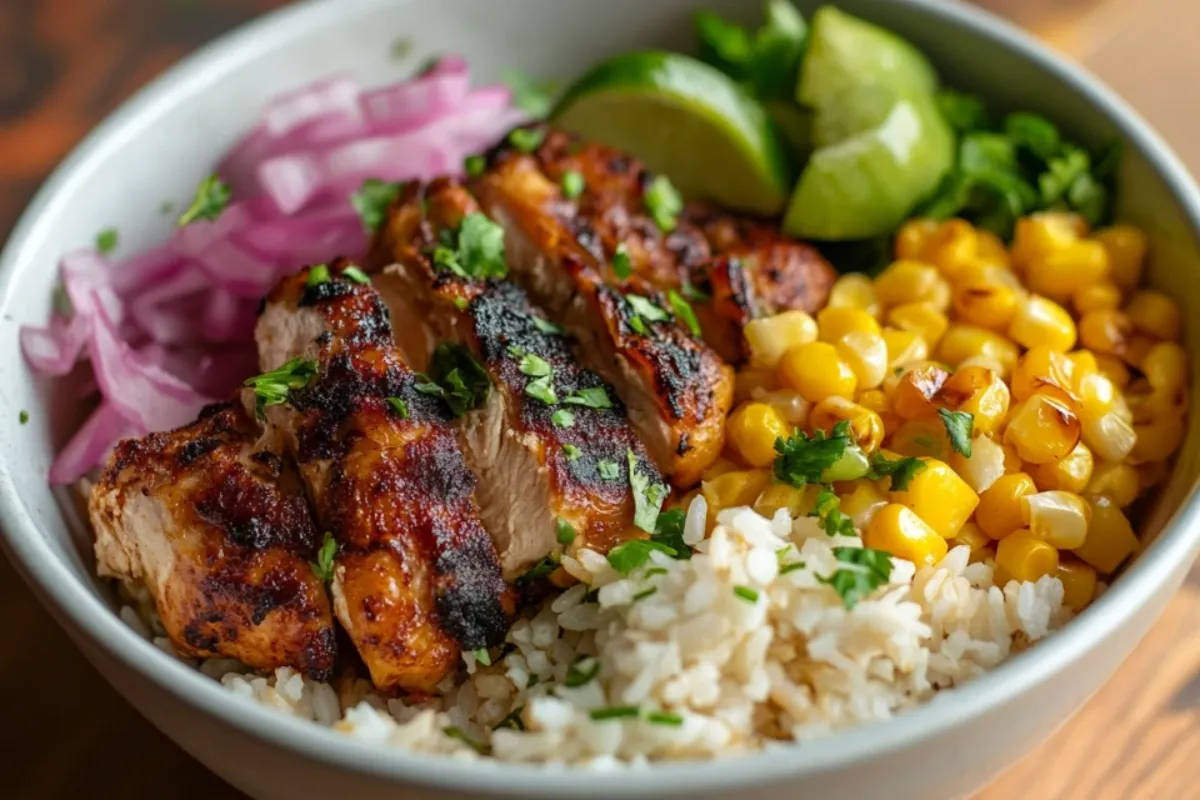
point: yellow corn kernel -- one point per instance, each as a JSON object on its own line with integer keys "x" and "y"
{"x": 1098, "y": 296}
{"x": 1071, "y": 474}
{"x": 1105, "y": 332}
{"x": 1136, "y": 349}
{"x": 970, "y": 535}
{"x": 788, "y": 404}
{"x": 854, "y": 290}
{"x": 734, "y": 489}
{"x": 979, "y": 392}
{"x": 1126, "y": 246}
{"x": 906, "y": 282}
{"x": 1041, "y": 321}
{"x": 984, "y": 467}
{"x": 865, "y": 424}
{"x": 1110, "y": 437}
{"x": 1060, "y": 518}
{"x": 1166, "y": 367}
{"x": 1079, "y": 583}
{"x": 1110, "y": 537}
{"x": 1084, "y": 362}
{"x": 720, "y": 467}
{"x": 1096, "y": 394}
{"x": 1117, "y": 482}
{"x": 1022, "y": 556}
{"x": 921, "y": 438}
{"x": 1001, "y": 507}
{"x": 904, "y": 347}
{"x": 834, "y": 323}
{"x": 940, "y": 297}
{"x": 867, "y": 356}
{"x": 798, "y": 501}
{"x": 912, "y": 396}
{"x": 1157, "y": 440}
{"x": 1148, "y": 405}
{"x": 920, "y": 318}
{"x": 816, "y": 371}
{"x": 985, "y": 303}
{"x": 991, "y": 250}
{"x": 1012, "y": 461}
{"x": 1155, "y": 315}
{"x": 1043, "y": 233}
{"x": 1044, "y": 428}
{"x": 1062, "y": 272}
{"x": 953, "y": 246}
{"x": 770, "y": 337}
{"x": 961, "y": 342}
{"x": 752, "y": 430}
{"x": 940, "y": 497}
{"x": 1041, "y": 367}
{"x": 1114, "y": 369}
{"x": 863, "y": 502}
{"x": 913, "y": 236}
{"x": 750, "y": 381}
{"x": 876, "y": 400}
{"x": 897, "y": 530}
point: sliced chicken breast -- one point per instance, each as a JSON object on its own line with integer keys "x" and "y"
{"x": 416, "y": 578}
{"x": 218, "y": 530}
{"x": 550, "y": 441}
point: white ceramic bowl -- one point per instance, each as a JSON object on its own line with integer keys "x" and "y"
{"x": 163, "y": 141}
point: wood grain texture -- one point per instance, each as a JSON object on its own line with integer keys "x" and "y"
{"x": 65, "y": 63}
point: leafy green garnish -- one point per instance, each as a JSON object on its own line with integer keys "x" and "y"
{"x": 639, "y": 325}
{"x": 609, "y": 470}
{"x": 399, "y": 406}
{"x": 747, "y": 593}
{"x": 901, "y": 471}
{"x": 475, "y": 250}
{"x": 861, "y": 571}
{"x": 644, "y": 593}
{"x": 564, "y": 532}
{"x": 695, "y": 294}
{"x": 534, "y": 366}
{"x": 965, "y": 113}
{"x": 615, "y": 712}
{"x": 271, "y": 388}
{"x": 455, "y": 732}
{"x": 684, "y": 311}
{"x": 573, "y": 184}
{"x": 482, "y": 656}
{"x": 621, "y": 264}
{"x": 646, "y": 308}
{"x": 664, "y": 718}
{"x": 542, "y": 389}
{"x": 323, "y": 566}
{"x": 628, "y": 556}
{"x": 539, "y": 570}
{"x": 582, "y": 672}
{"x": 832, "y": 519}
{"x": 545, "y": 325}
{"x": 791, "y": 566}
{"x": 766, "y": 62}
{"x": 563, "y": 418}
{"x": 572, "y": 452}
{"x": 647, "y": 497}
{"x": 23, "y": 417}
{"x": 356, "y": 274}
{"x": 527, "y": 139}
{"x": 456, "y": 377}
{"x": 317, "y": 275}
{"x": 212, "y": 198}
{"x": 513, "y": 721}
{"x": 593, "y": 397}
{"x": 959, "y": 426}
{"x": 668, "y": 530}
{"x": 802, "y": 458}
{"x": 474, "y": 166}
{"x": 535, "y": 98}
{"x": 372, "y": 199}
{"x": 663, "y": 203}
{"x": 106, "y": 241}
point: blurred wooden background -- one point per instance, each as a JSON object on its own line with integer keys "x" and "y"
{"x": 64, "y": 64}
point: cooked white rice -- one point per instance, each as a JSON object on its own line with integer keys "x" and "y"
{"x": 695, "y": 658}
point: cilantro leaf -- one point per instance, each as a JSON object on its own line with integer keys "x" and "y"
{"x": 861, "y": 571}
{"x": 212, "y": 198}
{"x": 573, "y": 184}
{"x": 535, "y": 98}
{"x": 767, "y": 61}
{"x": 684, "y": 311}
{"x": 355, "y": 274}
{"x": 668, "y": 530}
{"x": 572, "y": 452}
{"x": 959, "y": 425}
{"x": 621, "y": 264}
{"x": 833, "y": 521}
{"x": 609, "y": 470}
{"x": 474, "y": 166}
{"x": 455, "y": 732}
{"x": 966, "y": 113}
{"x": 481, "y": 247}
{"x": 106, "y": 241}
{"x": 628, "y": 556}
{"x": 317, "y": 275}
{"x": 901, "y": 471}
{"x": 372, "y": 199}
{"x": 527, "y": 139}
{"x": 272, "y": 388}
{"x": 582, "y": 672}
{"x": 750, "y": 595}
{"x": 323, "y": 566}
{"x": 456, "y": 377}
{"x": 803, "y": 458}
{"x": 513, "y": 721}
{"x": 646, "y": 308}
{"x": 647, "y": 497}
{"x": 399, "y": 406}
{"x": 545, "y": 325}
{"x": 542, "y": 389}
{"x": 663, "y": 203}
{"x": 565, "y": 532}
{"x": 563, "y": 418}
{"x": 539, "y": 570}
{"x": 593, "y": 397}
{"x": 1033, "y": 132}
{"x": 534, "y": 366}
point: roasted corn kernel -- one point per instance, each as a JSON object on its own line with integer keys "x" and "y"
{"x": 907, "y": 282}
{"x": 867, "y": 356}
{"x": 788, "y": 404}
{"x": 920, "y": 318}
{"x": 989, "y": 304}
{"x": 912, "y": 396}
{"x": 1110, "y": 537}
{"x": 834, "y": 323}
{"x": 1043, "y": 233}
{"x": 863, "y": 502}
{"x": 770, "y": 337}
{"x": 1078, "y": 581}
{"x": 854, "y": 290}
{"x": 1114, "y": 369}
{"x": 912, "y": 238}
{"x": 920, "y": 438}
{"x": 971, "y": 536}
{"x": 1001, "y": 507}
{"x": 940, "y": 497}
{"x": 1060, "y": 273}
{"x": 1098, "y": 296}
{"x": 1024, "y": 556}
{"x": 979, "y": 392}
{"x": 1041, "y": 321}
{"x": 1060, "y": 518}
{"x": 961, "y": 342}
{"x": 816, "y": 371}
{"x": 904, "y": 347}
{"x": 1105, "y": 332}
{"x": 897, "y": 530}
{"x": 1126, "y": 246}
{"x": 750, "y": 381}
{"x": 799, "y": 501}
{"x": 752, "y": 431}
{"x": 1155, "y": 315}
{"x": 1157, "y": 440}
{"x": 1043, "y": 428}
{"x": 991, "y": 250}
{"x": 1117, "y": 482}
{"x": 1110, "y": 437}
{"x": 1070, "y": 474}
{"x": 1166, "y": 367}
{"x": 733, "y": 489}
{"x": 865, "y": 425}
{"x": 952, "y": 246}
{"x": 1040, "y": 367}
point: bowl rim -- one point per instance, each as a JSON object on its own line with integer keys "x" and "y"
{"x": 82, "y": 612}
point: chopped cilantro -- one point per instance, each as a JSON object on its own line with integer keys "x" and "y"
{"x": 615, "y": 712}
{"x": 323, "y": 566}
{"x": 564, "y": 532}
{"x": 542, "y": 389}
{"x": 959, "y": 425}
{"x": 456, "y": 377}
{"x": 461, "y": 303}
{"x": 644, "y": 593}
{"x": 582, "y": 672}
{"x": 399, "y": 406}
{"x": 656, "y": 571}
{"x": 572, "y": 452}
{"x": 563, "y": 418}
{"x": 668, "y": 530}
{"x": 318, "y": 275}
{"x": 212, "y": 198}
{"x": 861, "y": 571}
{"x": 609, "y": 470}
{"x": 832, "y": 519}
{"x": 684, "y": 311}
{"x": 695, "y": 294}
{"x": 535, "y": 98}
{"x": 545, "y": 325}
{"x": 638, "y": 325}
{"x": 621, "y": 264}
{"x": 573, "y": 184}
{"x": 628, "y": 556}
{"x": 746, "y": 593}
{"x": 271, "y": 388}
{"x": 482, "y": 656}
{"x": 474, "y": 166}
{"x": 23, "y": 417}
{"x": 791, "y": 566}
{"x": 513, "y": 721}
{"x": 534, "y": 366}
{"x": 965, "y": 113}
{"x": 594, "y": 397}
{"x": 664, "y": 718}
{"x": 539, "y": 570}
{"x": 455, "y": 732}
{"x": 527, "y": 139}
{"x": 646, "y": 309}
{"x": 106, "y": 241}
{"x": 664, "y": 203}
{"x": 372, "y": 199}
{"x": 803, "y": 458}
{"x": 356, "y": 274}
{"x": 901, "y": 471}
{"x": 475, "y": 250}
{"x": 647, "y": 497}
{"x": 765, "y": 61}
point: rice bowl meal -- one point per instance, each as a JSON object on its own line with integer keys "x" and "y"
{"x": 495, "y": 422}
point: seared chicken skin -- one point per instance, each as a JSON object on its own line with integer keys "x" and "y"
{"x": 732, "y": 269}
{"x": 676, "y": 388}
{"x": 416, "y": 577}
{"x": 219, "y": 532}
{"x": 550, "y": 444}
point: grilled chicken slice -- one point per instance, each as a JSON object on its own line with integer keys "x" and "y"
{"x": 676, "y": 388}
{"x": 731, "y": 268}
{"x": 219, "y": 532}
{"x": 416, "y": 578}
{"x": 552, "y": 476}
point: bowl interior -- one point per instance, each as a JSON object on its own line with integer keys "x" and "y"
{"x": 158, "y": 148}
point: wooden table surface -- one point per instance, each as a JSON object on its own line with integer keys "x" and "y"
{"x": 65, "y": 63}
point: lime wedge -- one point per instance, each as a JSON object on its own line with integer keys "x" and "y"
{"x": 687, "y": 121}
